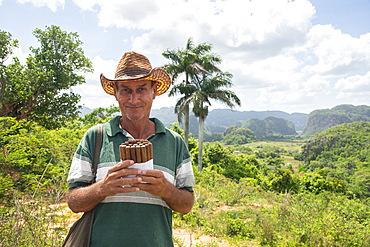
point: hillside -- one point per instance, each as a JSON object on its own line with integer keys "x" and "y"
{"x": 343, "y": 152}
{"x": 270, "y": 126}
{"x": 238, "y": 136}
{"x": 226, "y": 117}
{"x": 320, "y": 120}
{"x": 219, "y": 119}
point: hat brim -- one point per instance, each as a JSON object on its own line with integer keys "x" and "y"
{"x": 158, "y": 75}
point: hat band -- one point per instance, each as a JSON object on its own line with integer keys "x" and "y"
{"x": 132, "y": 73}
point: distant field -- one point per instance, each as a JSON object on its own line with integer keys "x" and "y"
{"x": 289, "y": 146}
{"x": 292, "y": 146}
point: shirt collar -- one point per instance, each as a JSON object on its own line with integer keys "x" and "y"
{"x": 114, "y": 127}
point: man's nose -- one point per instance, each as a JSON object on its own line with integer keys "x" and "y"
{"x": 134, "y": 98}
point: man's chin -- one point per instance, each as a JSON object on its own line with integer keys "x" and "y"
{"x": 135, "y": 117}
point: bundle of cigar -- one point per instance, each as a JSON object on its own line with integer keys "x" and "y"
{"x": 138, "y": 150}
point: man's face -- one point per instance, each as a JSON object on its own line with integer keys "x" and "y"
{"x": 135, "y": 98}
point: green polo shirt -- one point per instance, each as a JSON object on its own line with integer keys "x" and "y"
{"x": 139, "y": 218}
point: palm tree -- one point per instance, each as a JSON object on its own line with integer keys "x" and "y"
{"x": 201, "y": 92}
{"x": 187, "y": 61}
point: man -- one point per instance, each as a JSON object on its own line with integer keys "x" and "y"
{"x": 135, "y": 210}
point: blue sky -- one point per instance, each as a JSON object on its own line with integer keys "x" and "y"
{"x": 293, "y": 56}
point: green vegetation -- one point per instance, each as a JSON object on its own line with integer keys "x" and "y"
{"x": 238, "y": 136}
{"x": 240, "y": 199}
{"x": 342, "y": 152}
{"x": 34, "y": 166}
{"x": 246, "y": 215}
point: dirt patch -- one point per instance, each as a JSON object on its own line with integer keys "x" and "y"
{"x": 259, "y": 205}
{"x": 220, "y": 208}
{"x": 184, "y": 238}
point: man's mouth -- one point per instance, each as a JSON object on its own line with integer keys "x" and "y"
{"x": 134, "y": 107}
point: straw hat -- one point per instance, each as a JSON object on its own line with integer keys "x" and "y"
{"x": 134, "y": 66}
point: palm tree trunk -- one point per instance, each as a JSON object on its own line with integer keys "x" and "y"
{"x": 200, "y": 142}
{"x": 186, "y": 125}
{"x": 186, "y": 115}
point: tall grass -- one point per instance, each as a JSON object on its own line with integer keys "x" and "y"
{"x": 37, "y": 217}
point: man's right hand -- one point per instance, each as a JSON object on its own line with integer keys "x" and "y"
{"x": 84, "y": 199}
{"x": 116, "y": 178}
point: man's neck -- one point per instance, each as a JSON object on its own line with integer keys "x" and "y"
{"x": 141, "y": 129}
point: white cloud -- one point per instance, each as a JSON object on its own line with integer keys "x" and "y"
{"x": 253, "y": 27}
{"x": 337, "y": 53}
{"x": 294, "y": 94}
{"x": 271, "y": 71}
{"x": 86, "y": 4}
{"x": 356, "y": 88}
{"x": 92, "y": 93}
{"x": 52, "y": 4}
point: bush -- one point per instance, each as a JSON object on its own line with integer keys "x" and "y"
{"x": 30, "y": 153}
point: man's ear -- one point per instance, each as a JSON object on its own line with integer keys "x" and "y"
{"x": 115, "y": 90}
{"x": 154, "y": 90}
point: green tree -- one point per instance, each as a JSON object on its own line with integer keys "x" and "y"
{"x": 187, "y": 61}
{"x": 41, "y": 90}
{"x": 7, "y": 44}
{"x": 206, "y": 89}
{"x": 100, "y": 115}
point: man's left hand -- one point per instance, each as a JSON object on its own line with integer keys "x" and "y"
{"x": 179, "y": 200}
{"x": 156, "y": 184}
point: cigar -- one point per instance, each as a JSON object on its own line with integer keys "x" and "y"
{"x": 138, "y": 150}
{"x": 150, "y": 151}
{"x": 128, "y": 154}
{"x": 138, "y": 154}
{"x": 143, "y": 153}
{"x": 122, "y": 151}
{"x": 133, "y": 153}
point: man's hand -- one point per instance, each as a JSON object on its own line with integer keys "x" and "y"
{"x": 115, "y": 179}
{"x": 156, "y": 184}
{"x": 179, "y": 200}
{"x": 83, "y": 199}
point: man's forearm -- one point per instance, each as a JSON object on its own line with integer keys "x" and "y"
{"x": 83, "y": 199}
{"x": 179, "y": 200}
